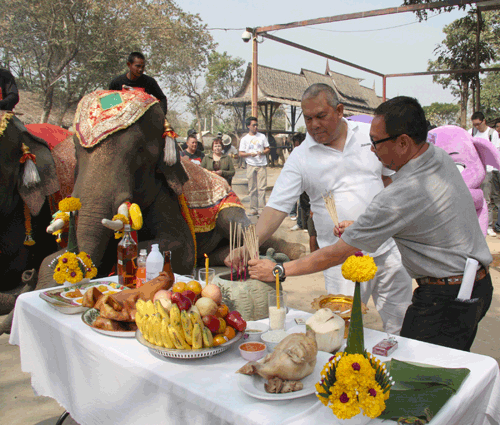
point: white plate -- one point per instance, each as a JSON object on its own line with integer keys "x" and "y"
{"x": 254, "y": 385}
{"x": 91, "y": 315}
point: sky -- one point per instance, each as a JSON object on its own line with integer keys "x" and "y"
{"x": 366, "y": 42}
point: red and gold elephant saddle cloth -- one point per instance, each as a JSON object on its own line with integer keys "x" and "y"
{"x": 206, "y": 195}
{"x": 105, "y": 112}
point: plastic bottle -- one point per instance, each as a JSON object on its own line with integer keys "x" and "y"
{"x": 154, "y": 263}
{"x": 140, "y": 276}
{"x": 127, "y": 257}
{"x": 167, "y": 266}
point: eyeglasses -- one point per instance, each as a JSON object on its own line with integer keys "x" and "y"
{"x": 374, "y": 143}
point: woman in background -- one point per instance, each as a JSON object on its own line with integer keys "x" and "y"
{"x": 218, "y": 162}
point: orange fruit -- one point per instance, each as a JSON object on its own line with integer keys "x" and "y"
{"x": 194, "y": 286}
{"x": 222, "y": 310}
{"x": 219, "y": 339}
{"x": 229, "y": 333}
{"x": 179, "y": 287}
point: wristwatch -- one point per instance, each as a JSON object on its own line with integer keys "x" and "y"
{"x": 278, "y": 268}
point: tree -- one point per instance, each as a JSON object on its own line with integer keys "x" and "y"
{"x": 440, "y": 114}
{"x": 422, "y": 14}
{"x": 490, "y": 94}
{"x": 458, "y": 52}
{"x": 224, "y": 78}
{"x": 66, "y": 48}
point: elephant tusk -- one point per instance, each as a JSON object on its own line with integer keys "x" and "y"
{"x": 56, "y": 225}
{"x": 115, "y": 225}
{"x": 123, "y": 209}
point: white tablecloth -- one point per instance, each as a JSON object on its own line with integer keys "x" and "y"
{"x": 107, "y": 380}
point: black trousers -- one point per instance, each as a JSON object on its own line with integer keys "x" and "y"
{"x": 435, "y": 316}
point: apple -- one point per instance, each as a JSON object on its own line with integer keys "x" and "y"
{"x": 190, "y": 294}
{"x": 212, "y": 291}
{"x": 183, "y": 302}
{"x": 212, "y": 323}
{"x": 162, "y": 294}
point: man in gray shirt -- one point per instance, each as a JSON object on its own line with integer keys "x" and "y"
{"x": 429, "y": 212}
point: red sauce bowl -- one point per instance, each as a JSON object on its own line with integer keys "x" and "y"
{"x": 252, "y": 351}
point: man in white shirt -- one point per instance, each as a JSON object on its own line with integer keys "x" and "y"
{"x": 491, "y": 183}
{"x": 336, "y": 157}
{"x": 253, "y": 148}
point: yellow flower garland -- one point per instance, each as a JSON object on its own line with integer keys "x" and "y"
{"x": 135, "y": 216}
{"x": 69, "y": 268}
{"x": 124, "y": 220}
{"x": 359, "y": 268}
{"x": 70, "y": 204}
{"x": 351, "y": 382}
{"x": 5, "y": 121}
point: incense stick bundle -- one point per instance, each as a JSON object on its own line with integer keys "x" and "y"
{"x": 331, "y": 208}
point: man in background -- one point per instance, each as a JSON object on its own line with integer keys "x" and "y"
{"x": 136, "y": 79}
{"x": 9, "y": 95}
{"x": 192, "y": 153}
{"x": 254, "y": 148}
{"x": 497, "y": 127}
{"x": 491, "y": 183}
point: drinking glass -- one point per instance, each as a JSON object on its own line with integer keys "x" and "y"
{"x": 203, "y": 278}
{"x": 277, "y": 317}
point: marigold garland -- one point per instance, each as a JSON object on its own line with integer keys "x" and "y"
{"x": 124, "y": 220}
{"x": 28, "y": 240}
{"x": 187, "y": 216}
{"x": 135, "y": 214}
{"x": 359, "y": 268}
{"x": 71, "y": 268}
{"x": 4, "y": 121}
{"x": 70, "y": 204}
{"x": 351, "y": 382}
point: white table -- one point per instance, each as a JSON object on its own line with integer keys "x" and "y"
{"x": 107, "y": 380}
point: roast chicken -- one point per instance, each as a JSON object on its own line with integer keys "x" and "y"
{"x": 293, "y": 358}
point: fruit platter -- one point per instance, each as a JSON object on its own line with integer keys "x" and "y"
{"x": 188, "y": 323}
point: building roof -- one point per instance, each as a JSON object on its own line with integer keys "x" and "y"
{"x": 287, "y": 88}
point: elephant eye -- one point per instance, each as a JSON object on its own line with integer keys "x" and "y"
{"x": 461, "y": 167}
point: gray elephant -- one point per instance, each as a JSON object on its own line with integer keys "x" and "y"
{"x": 137, "y": 163}
{"x": 23, "y": 207}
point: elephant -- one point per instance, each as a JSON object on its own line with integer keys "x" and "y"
{"x": 22, "y": 207}
{"x": 136, "y": 163}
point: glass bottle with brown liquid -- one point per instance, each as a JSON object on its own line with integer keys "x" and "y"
{"x": 127, "y": 259}
{"x": 167, "y": 266}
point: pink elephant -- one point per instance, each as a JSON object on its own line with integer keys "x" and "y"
{"x": 471, "y": 154}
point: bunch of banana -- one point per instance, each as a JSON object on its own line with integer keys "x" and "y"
{"x": 174, "y": 329}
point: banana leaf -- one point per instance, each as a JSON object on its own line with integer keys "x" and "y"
{"x": 420, "y": 390}
{"x": 355, "y": 338}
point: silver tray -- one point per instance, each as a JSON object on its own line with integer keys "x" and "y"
{"x": 187, "y": 354}
{"x": 91, "y": 315}
{"x": 56, "y": 297}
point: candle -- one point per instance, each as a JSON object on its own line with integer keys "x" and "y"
{"x": 206, "y": 268}
{"x": 277, "y": 290}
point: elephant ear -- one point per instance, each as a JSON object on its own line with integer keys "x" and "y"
{"x": 35, "y": 196}
{"x": 487, "y": 152}
{"x": 173, "y": 170}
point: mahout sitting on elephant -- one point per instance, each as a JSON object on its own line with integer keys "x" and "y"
{"x": 25, "y": 206}
{"x": 125, "y": 155}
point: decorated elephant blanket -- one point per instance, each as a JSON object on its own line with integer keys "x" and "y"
{"x": 105, "y": 112}
{"x": 206, "y": 195}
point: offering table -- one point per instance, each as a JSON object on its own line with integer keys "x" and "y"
{"x": 107, "y": 380}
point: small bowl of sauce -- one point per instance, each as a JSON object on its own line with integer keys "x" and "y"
{"x": 252, "y": 351}
{"x": 254, "y": 330}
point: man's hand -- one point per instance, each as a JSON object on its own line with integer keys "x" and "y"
{"x": 338, "y": 230}
{"x": 262, "y": 270}
{"x": 218, "y": 172}
{"x": 237, "y": 258}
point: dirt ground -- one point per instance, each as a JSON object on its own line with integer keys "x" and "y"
{"x": 18, "y": 405}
